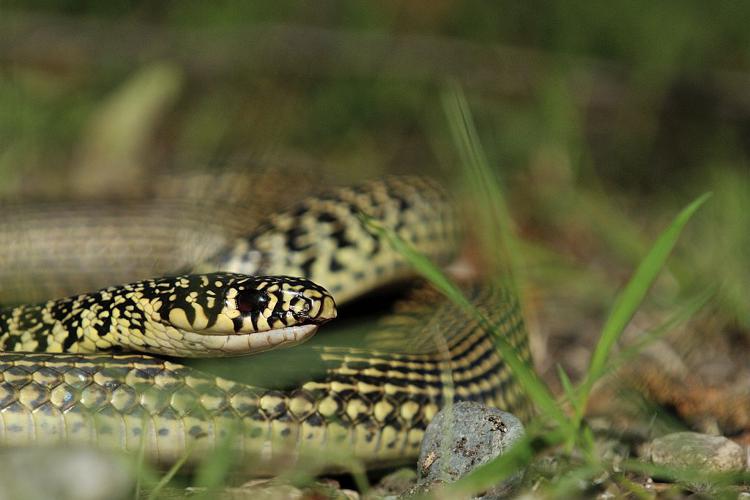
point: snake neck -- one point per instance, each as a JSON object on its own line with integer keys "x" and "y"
{"x": 199, "y": 315}
{"x": 325, "y": 239}
{"x": 86, "y": 323}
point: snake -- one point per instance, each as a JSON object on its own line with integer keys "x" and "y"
{"x": 102, "y": 368}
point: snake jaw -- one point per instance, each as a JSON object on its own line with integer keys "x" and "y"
{"x": 249, "y": 343}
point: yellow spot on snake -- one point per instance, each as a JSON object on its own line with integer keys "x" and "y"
{"x": 223, "y": 324}
{"x": 328, "y": 407}
{"x": 201, "y": 320}
{"x": 355, "y": 408}
{"x": 382, "y": 410}
{"x": 179, "y": 319}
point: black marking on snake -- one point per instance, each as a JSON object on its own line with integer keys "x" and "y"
{"x": 315, "y": 420}
{"x": 362, "y": 365}
{"x": 148, "y": 373}
{"x": 339, "y": 236}
{"x": 299, "y": 210}
{"x": 293, "y": 235}
{"x": 113, "y": 349}
{"x": 10, "y": 340}
{"x": 42, "y": 341}
{"x": 352, "y": 208}
{"x": 306, "y": 266}
{"x": 327, "y": 217}
{"x": 106, "y": 322}
{"x": 496, "y": 365}
{"x": 403, "y": 204}
{"x": 336, "y": 265}
{"x": 476, "y": 344}
{"x": 345, "y": 394}
{"x": 238, "y": 322}
{"x": 393, "y": 421}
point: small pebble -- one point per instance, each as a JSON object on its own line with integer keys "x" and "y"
{"x": 700, "y": 451}
{"x": 463, "y": 437}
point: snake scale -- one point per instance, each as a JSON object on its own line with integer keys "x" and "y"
{"x": 80, "y": 369}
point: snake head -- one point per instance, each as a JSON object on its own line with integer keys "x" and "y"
{"x": 235, "y": 314}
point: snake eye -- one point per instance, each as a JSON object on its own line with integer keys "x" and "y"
{"x": 251, "y": 301}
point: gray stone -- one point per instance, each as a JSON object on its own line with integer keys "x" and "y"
{"x": 463, "y": 437}
{"x": 698, "y": 451}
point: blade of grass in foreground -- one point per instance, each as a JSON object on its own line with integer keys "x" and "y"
{"x": 686, "y": 311}
{"x": 527, "y": 378}
{"x": 496, "y": 225}
{"x": 164, "y": 481}
{"x": 216, "y": 466}
{"x": 630, "y": 299}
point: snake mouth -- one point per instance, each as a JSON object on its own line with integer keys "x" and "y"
{"x": 242, "y": 344}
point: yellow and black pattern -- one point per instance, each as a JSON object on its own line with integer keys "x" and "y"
{"x": 373, "y": 401}
{"x": 324, "y": 238}
{"x": 191, "y": 315}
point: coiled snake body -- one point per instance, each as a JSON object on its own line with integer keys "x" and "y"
{"x": 65, "y": 375}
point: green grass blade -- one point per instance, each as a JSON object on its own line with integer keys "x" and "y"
{"x": 215, "y": 468}
{"x": 140, "y": 458}
{"x": 632, "y": 295}
{"x": 164, "y": 481}
{"x": 570, "y": 392}
{"x": 497, "y": 230}
{"x": 686, "y": 311}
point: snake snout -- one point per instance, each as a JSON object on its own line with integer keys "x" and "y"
{"x": 312, "y": 305}
{"x": 275, "y": 302}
